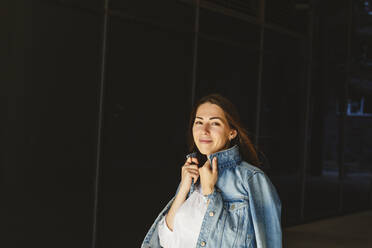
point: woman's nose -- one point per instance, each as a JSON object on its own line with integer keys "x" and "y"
{"x": 206, "y": 128}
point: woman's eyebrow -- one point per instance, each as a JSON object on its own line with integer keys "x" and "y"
{"x": 212, "y": 118}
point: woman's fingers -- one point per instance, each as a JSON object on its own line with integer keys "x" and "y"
{"x": 209, "y": 167}
{"x": 208, "y": 176}
{"x": 190, "y": 169}
{"x": 188, "y": 161}
{"x": 190, "y": 166}
{"x": 214, "y": 166}
{"x": 194, "y": 160}
{"x": 191, "y": 161}
{"x": 207, "y": 164}
{"x": 193, "y": 171}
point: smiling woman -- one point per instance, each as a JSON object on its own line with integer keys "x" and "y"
{"x": 226, "y": 201}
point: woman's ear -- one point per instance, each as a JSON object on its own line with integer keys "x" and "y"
{"x": 233, "y": 134}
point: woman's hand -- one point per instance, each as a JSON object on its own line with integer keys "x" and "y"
{"x": 189, "y": 171}
{"x": 208, "y": 176}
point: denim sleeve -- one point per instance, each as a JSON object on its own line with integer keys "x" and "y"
{"x": 265, "y": 209}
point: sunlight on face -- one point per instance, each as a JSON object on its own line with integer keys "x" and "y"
{"x": 211, "y": 130}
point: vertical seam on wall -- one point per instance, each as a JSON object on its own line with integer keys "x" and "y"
{"x": 345, "y": 96}
{"x": 260, "y": 70}
{"x": 195, "y": 52}
{"x": 100, "y": 123}
{"x": 307, "y": 115}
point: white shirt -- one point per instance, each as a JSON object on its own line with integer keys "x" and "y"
{"x": 187, "y": 223}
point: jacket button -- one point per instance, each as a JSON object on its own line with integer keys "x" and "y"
{"x": 232, "y": 207}
{"x": 202, "y": 243}
{"x": 211, "y": 213}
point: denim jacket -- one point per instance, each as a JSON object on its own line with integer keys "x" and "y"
{"x": 244, "y": 209}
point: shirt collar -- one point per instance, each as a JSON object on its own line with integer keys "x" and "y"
{"x": 225, "y": 159}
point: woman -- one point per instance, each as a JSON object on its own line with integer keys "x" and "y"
{"x": 226, "y": 201}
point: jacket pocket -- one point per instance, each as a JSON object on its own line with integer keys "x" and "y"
{"x": 235, "y": 228}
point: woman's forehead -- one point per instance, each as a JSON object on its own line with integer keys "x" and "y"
{"x": 207, "y": 110}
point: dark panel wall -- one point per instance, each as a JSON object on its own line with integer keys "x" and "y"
{"x": 232, "y": 72}
{"x": 175, "y": 15}
{"x": 148, "y": 98}
{"x": 53, "y": 101}
{"x": 282, "y": 118}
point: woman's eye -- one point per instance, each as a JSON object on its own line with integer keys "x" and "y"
{"x": 215, "y": 123}
{"x": 198, "y": 122}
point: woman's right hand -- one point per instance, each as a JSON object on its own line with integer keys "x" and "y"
{"x": 189, "y": 171}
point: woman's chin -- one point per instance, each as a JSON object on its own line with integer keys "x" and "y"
{"x": 207, "y": 149}
{"x": 203, "y": 151}
{"x": 206, "y": 152}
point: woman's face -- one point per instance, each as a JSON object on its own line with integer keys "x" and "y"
{"x": 211, "y": 130}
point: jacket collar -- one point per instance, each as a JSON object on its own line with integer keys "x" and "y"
{"x": 225, "y": 159}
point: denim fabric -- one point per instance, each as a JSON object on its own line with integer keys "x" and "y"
{"x": 244, "y": 209}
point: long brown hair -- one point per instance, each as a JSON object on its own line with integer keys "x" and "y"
{"x": 246, "y": 148}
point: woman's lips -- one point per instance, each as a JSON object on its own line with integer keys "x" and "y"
{"x": 205, "y": 141}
